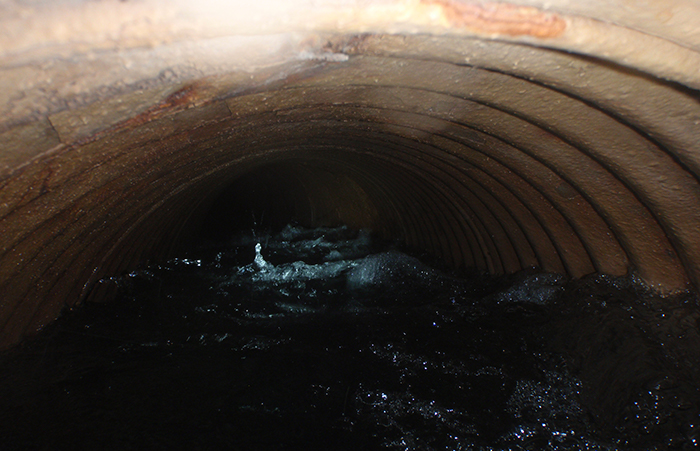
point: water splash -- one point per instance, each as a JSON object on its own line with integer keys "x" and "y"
{"x": 259, "y": 260}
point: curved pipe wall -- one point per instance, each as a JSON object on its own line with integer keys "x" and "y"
{"x": 495, "y": 136}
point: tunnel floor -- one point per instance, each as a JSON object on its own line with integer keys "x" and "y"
{"x": 333, "y": 339}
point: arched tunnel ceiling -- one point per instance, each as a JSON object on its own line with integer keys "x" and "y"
{"x": 493, "y": 136}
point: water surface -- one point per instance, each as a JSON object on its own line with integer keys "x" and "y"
{"x": 328, "y": 339}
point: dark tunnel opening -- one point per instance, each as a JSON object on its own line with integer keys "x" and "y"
{"x": 309, "y": 191}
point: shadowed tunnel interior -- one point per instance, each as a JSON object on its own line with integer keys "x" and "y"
{"x": 492, "y": 136}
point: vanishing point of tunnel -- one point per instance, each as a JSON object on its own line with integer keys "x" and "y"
{"x": 495, "y": 136}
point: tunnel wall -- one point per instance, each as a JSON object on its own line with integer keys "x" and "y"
{"x": 494, "y": 136}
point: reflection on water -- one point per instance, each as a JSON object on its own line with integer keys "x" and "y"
{"x": 323, "y": 339}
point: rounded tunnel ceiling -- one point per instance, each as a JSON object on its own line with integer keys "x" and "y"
{"x": 493, "y": 136}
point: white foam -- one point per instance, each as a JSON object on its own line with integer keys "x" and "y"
{"x": 259, "y": 260}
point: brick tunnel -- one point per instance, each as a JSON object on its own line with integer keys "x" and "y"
{"x": 494, "y": 136}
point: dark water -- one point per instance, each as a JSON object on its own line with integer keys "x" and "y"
{"x": 322, "y": 339}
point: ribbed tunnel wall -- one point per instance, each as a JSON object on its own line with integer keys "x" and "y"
{"x": 495, "y": 137}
